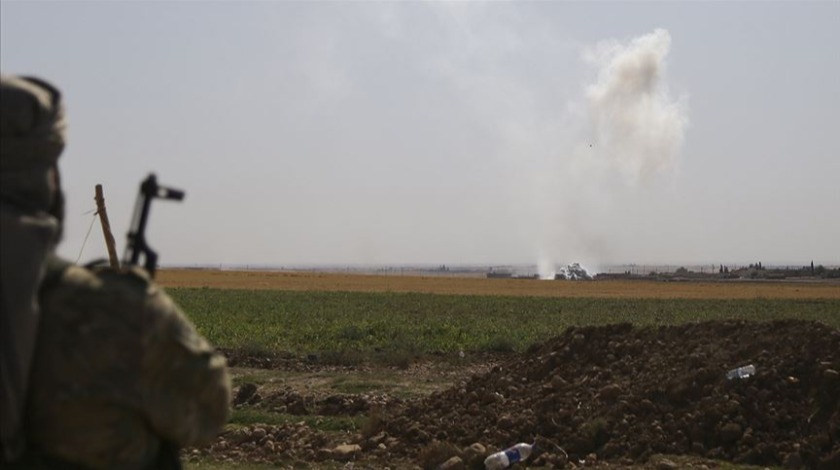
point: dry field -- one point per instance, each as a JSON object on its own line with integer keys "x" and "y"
{"x": 318, "y": 281}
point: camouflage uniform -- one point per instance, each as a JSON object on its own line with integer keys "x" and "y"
{"x": 31, "y": 207}
{"x": 101, "y": 369}
{"x": 118, "y": 371}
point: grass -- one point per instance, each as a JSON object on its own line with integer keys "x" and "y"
{"x": 353, "y": 385}
{"x": 397, "y": 326}
{"x": 209, "y": 464}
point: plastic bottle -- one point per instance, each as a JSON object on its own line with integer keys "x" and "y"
{"x": 509, "y": 456}
{"x": 741, "y": 372}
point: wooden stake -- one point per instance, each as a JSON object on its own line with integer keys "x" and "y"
{"x": 106, "y": 228}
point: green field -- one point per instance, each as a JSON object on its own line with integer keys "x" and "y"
{"x": 396, "y": 328}
{"x": 367, "y": 324}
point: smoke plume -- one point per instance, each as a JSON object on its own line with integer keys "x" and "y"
{"x": 638, "y": 128}
{"x": 625, "y": 131}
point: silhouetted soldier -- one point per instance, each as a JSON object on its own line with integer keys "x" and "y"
{"x": 119, "y": 377}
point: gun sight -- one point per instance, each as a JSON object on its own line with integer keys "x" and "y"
{"x": 149, "y": 190}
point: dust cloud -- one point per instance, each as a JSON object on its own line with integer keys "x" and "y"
{"x": 638, "y": 128}
{"x": 623, "y": 132}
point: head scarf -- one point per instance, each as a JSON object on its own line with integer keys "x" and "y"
{"x": 32, "y": 131}
{"x": 31, "y": 208}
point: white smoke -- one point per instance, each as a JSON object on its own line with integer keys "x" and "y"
{"x": 637, "y": 127}
{"x": 627, "y": 131}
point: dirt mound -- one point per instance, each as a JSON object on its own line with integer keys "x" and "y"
{"x": 604, "y": 397}
{"x": 624, "y": 394}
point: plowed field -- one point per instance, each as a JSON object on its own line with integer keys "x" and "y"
{"x": 304, "y": 281}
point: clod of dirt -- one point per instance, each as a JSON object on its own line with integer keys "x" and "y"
{"x": 455, "y": 463}
{"x": 245, "y": 393}
{"x": 346, "y": 452}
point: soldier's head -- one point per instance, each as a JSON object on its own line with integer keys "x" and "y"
{"x": 31, "y": 139}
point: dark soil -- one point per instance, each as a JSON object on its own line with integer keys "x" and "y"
{"x": 613, "y": 395}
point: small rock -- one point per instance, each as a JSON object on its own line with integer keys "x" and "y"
{"x": 793, "y": 461}
{"x": 666, "y": 464}
{"x": 647, "y": 406}
{"x": 478, "y": 448}
{"x": 558, "y": 382}
{"x": 346, "y": 451}
{"x": 245, "y": 392}
{"x": 455, "y": 463}
{"x": 731, "y": 432}
{"x": 505, "y": 422}
{"x": 474, "y": 454}
{"x": 610, "y": 392}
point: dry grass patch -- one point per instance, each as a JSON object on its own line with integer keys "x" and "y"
{"x": 328, "y": 282}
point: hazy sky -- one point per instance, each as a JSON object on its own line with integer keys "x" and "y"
{"x": 414, "y": 132}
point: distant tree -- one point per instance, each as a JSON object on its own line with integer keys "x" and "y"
{"x": 812, "y": 266}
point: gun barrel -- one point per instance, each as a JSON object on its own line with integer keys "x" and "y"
{"x": 170, "y": 193}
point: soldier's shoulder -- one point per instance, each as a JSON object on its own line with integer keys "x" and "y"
{"x": 108, "y": 300}
{"x": 65, "y": 277}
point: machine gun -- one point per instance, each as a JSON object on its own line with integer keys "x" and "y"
{"x": 137, "y": 245}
